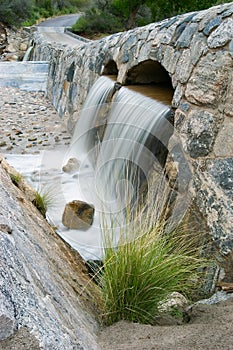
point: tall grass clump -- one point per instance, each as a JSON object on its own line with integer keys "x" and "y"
{"x": 152, "y": 259}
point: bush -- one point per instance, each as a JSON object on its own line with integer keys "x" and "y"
{"x": 13, "y": 12}
{"x": 97, "y": 22}
{"x": 151, "y": 260}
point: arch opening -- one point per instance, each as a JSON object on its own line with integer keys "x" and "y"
{"x": 151, "y": 79}
{"x": 110, "y": 69}
{"x": 148, "y": 72}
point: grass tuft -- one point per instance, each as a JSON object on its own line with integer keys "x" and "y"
{"x": 45, "y": 198}
{"x": 16, "y": 178}
{"x": 151, "y": 260}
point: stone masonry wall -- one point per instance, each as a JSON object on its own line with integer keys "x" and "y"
{"x": 196, "y": 50}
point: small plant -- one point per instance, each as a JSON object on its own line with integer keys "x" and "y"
{"x": 44, "y": 198}
{"x": 40, "y": 203}
{"x": 16, "y": 178}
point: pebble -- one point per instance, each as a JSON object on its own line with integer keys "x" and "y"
{"x": 29, "y": 120}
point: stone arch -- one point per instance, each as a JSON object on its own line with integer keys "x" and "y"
{"x": 110, "y": 68}
{"x": 147, "y": 72}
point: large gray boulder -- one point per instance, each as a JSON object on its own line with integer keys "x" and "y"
{"x": 45, "y": 291}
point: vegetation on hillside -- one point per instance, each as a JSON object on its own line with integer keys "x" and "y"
{"x": 101, "y": 16}
{"x": 110, "y": 16}
{"x": 27, "y": 12}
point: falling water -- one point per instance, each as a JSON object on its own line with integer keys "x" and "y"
{"x": 119, "y": 136}
{"x": 95, "y": 107}
{"x": 28, "y": 54}
{"x": 125, "y": 153}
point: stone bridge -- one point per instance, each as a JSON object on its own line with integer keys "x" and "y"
{"x": 193, "y": 53}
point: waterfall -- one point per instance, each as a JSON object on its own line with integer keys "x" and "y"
{"x": 95, "y": 110}
{"x": 136, "y": 124}
{"x": 28, "y": 54}
{"x": 119, "y": 136}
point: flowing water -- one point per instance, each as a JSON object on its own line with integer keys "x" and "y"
{"x": 28, "y": 54}
{"x": 119, "y": 136}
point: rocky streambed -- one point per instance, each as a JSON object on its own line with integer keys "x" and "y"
{"x": 29, "y": 123}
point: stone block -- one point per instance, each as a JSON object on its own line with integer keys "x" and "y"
{"x": 209, "y": 78}
{"x": 184, "y": 66}
{"x": 198, "y": 47}
{"x": 223, "y": 146}
{"x": 222, "y": 35}
{"x": 199, "y": 130}
{"x": 170, "y": 59}
{"x": 213, "y": 187}
{"x": 186, "y": 36}
{"x": 211, "y": 25}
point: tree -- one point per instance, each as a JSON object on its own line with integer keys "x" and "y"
{"x": 13, "y": 12}
{"x": 130, "y": 9}
{"x": 110, "y": 16}
{"x": 46, "y": 5}
{"x": 61, "y": 4}
{"x": 161, "y": 9}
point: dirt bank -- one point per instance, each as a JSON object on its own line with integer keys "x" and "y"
{"x": 210, "y": 328}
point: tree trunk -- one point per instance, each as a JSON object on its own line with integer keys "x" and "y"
{"x": 131, "y": 20}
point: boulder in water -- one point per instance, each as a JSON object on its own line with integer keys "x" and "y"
{"x": 78, "y": 215}
{"x": 71, "y": 166}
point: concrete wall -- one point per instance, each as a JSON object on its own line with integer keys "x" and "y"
{"x": 196, "y": 51}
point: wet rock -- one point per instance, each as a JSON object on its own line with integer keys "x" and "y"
{"x": 10, "y": 57}
{"x": 71, "y": 166}
{"x": 23, "y": 47}
{"x": 78, "y": 215}
{"x": 11, "y": 48}
{"x": 3, "y": 38}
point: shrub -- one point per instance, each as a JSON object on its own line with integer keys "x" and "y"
{"x": 13, "y": 12}
{"x": 152, "y": 259}
{"x": 96, "y": 21}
